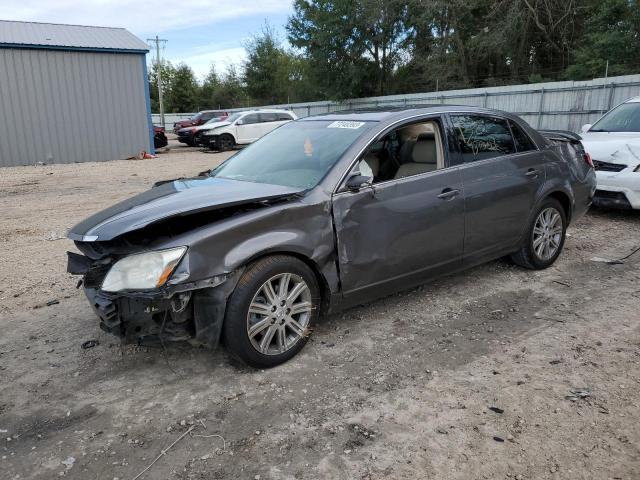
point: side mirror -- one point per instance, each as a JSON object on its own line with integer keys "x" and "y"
{"x": 585, "y": 128}
{"x": 356, "y": 182}
{"x": 240, "y": 122}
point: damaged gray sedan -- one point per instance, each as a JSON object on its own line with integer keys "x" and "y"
{"x": 325, "y": 213}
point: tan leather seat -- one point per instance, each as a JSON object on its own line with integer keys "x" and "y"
{"x": 424, "y": 157}
{"x": 370, "y": 162}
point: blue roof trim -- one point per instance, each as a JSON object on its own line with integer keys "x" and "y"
{"x": 147, "y": 95}
{"x": 71, "y": 49}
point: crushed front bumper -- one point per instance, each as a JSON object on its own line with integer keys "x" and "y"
{"x": 618, "y": 189}
{"x": 191, "y": 311}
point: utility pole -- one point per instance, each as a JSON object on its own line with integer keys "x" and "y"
{"x": 158, "y": 41}
{"x": 604, "y": 89}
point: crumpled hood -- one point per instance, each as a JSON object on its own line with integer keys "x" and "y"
{"x": 613, "y": 148}
{"x": 204, "y": 126}
{"x": 175, "y": 198}
{"x": 209, "y": 126}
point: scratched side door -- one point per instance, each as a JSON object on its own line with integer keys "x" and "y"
{"x": 500, "y": 180}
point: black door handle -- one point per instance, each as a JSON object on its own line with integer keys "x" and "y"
{"x": 448, "y": 193}
{"x": 532, "y": 173}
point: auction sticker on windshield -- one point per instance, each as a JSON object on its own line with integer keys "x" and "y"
{"x": 345, "y": 124}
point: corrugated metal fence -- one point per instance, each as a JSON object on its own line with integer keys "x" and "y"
{"x": 552, "y": 105}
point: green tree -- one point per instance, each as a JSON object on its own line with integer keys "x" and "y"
{"x": 353, "y": 46}
{"x": 208, "y": 90}
{"x": 273, "y": 74}
{"x": 612, "y": 34}
{"x": 168, "y": 72}
{"x": 231, "y": 92}
{"x": 182, "y": 95}
{"x": 265, "y": 68}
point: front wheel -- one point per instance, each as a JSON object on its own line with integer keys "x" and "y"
{"x": 225, "y": 142}
{"x": 270, "y": 314}
{"x": 545, "y": 237}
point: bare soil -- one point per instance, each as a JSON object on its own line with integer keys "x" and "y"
{"x": 497, "y": 372}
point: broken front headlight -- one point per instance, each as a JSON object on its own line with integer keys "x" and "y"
{"x": 143, "y": 271}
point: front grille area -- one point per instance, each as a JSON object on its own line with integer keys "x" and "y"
{"x": 608, "y": 167}
{"x": 94, "y": 277}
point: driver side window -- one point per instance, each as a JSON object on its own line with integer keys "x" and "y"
{"x": 409, "y": 150}
{"x": 250, "y": 119}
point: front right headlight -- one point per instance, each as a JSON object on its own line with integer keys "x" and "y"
{"x": 143, "y": 271}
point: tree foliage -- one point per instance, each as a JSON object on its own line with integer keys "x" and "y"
{"x": 354, "y": 48}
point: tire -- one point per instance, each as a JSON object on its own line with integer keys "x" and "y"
{"x": 264, "y": 335}
{"x": 226, "y": 142}
{"x": 160, "y": 140}
{"x": 534, "y": 254}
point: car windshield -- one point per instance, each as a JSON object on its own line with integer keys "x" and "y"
{"x": 232, "y": 118}
{"x": 298, "y": 154}
{"x": 623, "y": 118}
{"x": 214, "y": 120}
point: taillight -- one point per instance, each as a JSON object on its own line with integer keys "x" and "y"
{"x": 588, "y": 159}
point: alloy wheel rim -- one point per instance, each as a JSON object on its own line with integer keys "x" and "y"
{"x": 547, "y": 233}
{"x": 279, "y": 314}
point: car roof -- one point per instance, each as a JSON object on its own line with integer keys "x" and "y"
{"x": 633, "y": 100}
{"x": 211, "y": 111}
{"x": 266, "y": 110}
{"x": 392, "y": 113}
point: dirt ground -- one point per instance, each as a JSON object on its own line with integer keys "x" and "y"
{"x": 496, "y": 372}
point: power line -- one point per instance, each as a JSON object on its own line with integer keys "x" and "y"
{"x": 158, "y": 42}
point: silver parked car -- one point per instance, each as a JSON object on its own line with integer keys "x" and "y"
{"x": 324, "y": 213}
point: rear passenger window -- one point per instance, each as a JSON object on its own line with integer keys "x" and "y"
{"x": 251, "y": 118}
{"x": 480, "y": 137}
{"x": 268, "y": 117}
{"x": 523, "y": 142}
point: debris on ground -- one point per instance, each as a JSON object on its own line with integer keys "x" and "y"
{"x": 90, "y": 344}
{"x": 578, "y": 393}
{"x": 52, "y": 236}
{"x": 606, "y": 260}
{"x": 496, "y": 409}
{"x": 49, "y": 303}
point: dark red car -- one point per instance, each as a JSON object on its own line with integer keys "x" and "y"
{"x": 159, "y": 138}
{"x": 199, "y": 118}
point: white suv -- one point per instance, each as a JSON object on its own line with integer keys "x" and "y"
{"x": 614, "y": 144}
{"x": 241, "y": 128}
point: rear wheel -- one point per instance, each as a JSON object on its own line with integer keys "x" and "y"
{"x": 545, "y": 237}
{"x": 226, "y": 142}
{"x": 271, "y": 312}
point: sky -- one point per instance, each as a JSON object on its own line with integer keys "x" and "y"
{"x": 199, "y": 32}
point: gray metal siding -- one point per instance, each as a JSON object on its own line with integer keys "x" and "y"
{"x": 66, "y": 107}
{"x": 73, "y": 36}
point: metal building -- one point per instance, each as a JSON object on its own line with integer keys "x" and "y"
{"x": 71, "y": 93}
